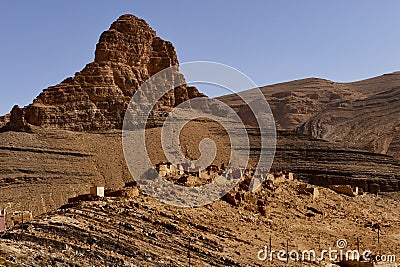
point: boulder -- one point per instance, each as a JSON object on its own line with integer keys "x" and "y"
{"x": 17, "y": 120}
{"x": 344, "y": 189}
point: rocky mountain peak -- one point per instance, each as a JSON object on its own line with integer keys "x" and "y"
{"x": 96, "y": 98}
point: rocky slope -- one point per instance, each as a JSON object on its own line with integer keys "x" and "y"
{"x": 325, "y": 163}
{"x": 293, "y": 103}
{"x": 96, "y": 98}
{"x": 363, "y": 115}
{"x": 143, "y": 232}
{"x": 371, "y": 124}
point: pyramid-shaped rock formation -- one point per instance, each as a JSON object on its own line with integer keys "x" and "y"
{"x": 96, "y": 98}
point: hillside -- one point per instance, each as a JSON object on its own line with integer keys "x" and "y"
{"x": 42, "y": 169}
{"x": 370, "y": 124}
{"x": 293, "y": 103}
{"x": 142, "y": 232}
{"x": 363, "y": 115}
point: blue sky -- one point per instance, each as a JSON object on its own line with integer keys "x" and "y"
{"x": 43, "y": 42}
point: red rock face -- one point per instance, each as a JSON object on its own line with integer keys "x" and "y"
{"x": 17, "y": 120}
{"x": 96, "y": 98}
